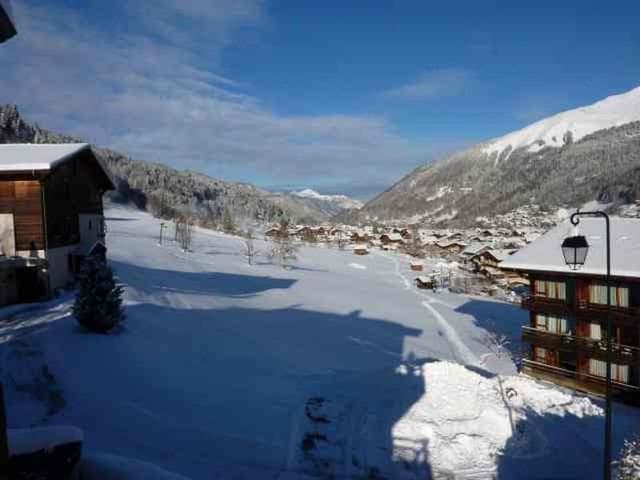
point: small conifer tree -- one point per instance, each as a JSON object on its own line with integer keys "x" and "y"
{"x": 98, "y": 304}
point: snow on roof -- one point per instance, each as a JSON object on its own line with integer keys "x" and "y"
{"x": 28, "y": 156}
{"x": 545, "y": 254}
{"x": 475, "y": 248}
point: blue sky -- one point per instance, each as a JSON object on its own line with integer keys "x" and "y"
{"x": 341, "y": 96}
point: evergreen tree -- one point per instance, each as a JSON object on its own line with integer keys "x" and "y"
{"x": 227, "y": 222}
{"x": 98, "y": 304}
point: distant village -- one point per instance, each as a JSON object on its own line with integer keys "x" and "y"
{"x": 462, "y": 260}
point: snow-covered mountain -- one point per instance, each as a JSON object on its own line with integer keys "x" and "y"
{"x": 165, "y": 191}
{"x": 570, "y": 158}
{"x": 572, "y": 125}
{"x": 333, "y": 203}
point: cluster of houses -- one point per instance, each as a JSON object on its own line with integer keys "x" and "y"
{"x": 476, "y": 252}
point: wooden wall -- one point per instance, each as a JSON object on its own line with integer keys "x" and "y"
{"x": 71, "y": 189}
{"x": 21, "y": 196}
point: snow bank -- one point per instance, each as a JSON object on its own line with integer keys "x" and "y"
{"x": 29, "y": 440}
{"x": 112, "y": 467}
{"x": 464, "y": 420}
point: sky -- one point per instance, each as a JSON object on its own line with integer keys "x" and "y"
{"x": 336, "y": 95}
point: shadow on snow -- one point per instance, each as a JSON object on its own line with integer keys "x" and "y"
{"x": 153, "y": 280}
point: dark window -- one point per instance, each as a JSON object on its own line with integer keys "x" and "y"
{"x": 89, "y": 224}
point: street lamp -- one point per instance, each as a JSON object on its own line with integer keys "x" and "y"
{"x": 574, "y": 250}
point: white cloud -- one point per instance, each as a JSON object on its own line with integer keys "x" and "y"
{"x": 433, "y": 84}
{"x": 148, "y": 95}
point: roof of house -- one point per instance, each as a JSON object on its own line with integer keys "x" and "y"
{"x": 545, "y": 254}
{"x": 30, "y": 156}
{"x": 7, "y": 26}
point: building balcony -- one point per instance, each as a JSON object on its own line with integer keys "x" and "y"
{"x": 620, "y": 354}
{"x": 582, "y": 381}
{"x": 546, "y": 305}
{"x": 625, "y": 315}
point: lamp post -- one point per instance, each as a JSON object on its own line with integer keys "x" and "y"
{"x": 574, "y": 250}
{"x": 162, "y": 225}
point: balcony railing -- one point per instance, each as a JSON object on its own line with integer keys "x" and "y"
{"x": 580, "y": 377}
{"x": 545, "y": 304}
{"x": 621, "y": 354}
{"x": 596, "y": 310}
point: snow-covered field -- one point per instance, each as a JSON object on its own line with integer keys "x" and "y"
{"x": 336, "y": 368}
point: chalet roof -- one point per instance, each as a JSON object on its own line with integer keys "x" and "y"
{"x": 29, "y": 156}
{"x": 545, "y": 254}
{"x": 7, "y": 26}
{"x": 475, "y": 248}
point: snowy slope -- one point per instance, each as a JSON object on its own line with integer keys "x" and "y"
{"x": 332, "y": 369}
{"x": 613, "y": 111}
{"x": 341, "y": 201}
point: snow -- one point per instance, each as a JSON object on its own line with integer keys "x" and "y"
{"x": 357, "y": 266}
{"x": 26, "y": 156}
{"x": 545, "y": 254}
{"x": 613, "y": 111}
{"x": 229, "y": 370}
{"x": 466, "y": 420}
{"x": 112, "y": 467}
{"x": 29, "y": 440}
{"x": 342, "y": 200}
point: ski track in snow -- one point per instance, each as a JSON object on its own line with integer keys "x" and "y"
{"x": 463, "y": 354}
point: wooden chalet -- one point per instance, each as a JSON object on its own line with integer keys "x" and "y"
{"x": 391, "y": 238}
{"x": 361, "y": 249}
{"x": 425, "y": 283}
{"x": 417, "y": 266}
{"x": 567, "y": 309}
{"x": 51, "y": 217}
{"x": 452, "y": 247}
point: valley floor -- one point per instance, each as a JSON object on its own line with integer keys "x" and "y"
{"x": 337, "y": 367}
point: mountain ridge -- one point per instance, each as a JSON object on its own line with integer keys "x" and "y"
{"x": 493, "y": 177}
{"x": 166, "y": 191}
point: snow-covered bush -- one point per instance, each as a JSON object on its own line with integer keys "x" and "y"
{"x": 98, "y": 304}
{"x": 629, "y": 464}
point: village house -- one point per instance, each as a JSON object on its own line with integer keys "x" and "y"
{"x": 451, "y": 247}
{"x": 51, "y": 216}
{"x": 361, "y": 249}
{"x": 567, "y": 308}
{"x": 416, "y": 266}
{"x": 391, "y": 238}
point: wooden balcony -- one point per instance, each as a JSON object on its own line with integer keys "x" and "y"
{"x": 582, "y": 381}
{"x": 545, "y": 305}
{"x": 621, "y": 354}
{"x": 628, "y": 316}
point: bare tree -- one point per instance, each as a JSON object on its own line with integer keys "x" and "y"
{"x": 183, "y": 231}
{"x": 629, "y": 463}
{"x": 283, "y": 248}
{"x": 250, "y": 250}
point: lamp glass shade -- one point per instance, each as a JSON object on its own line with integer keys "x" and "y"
{"x": 574, "y": 250}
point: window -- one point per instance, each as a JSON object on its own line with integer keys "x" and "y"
{"x": 595, "y": 331}
{"x": 619, "y": 373}
{"x": 619, "y": 295}
{"x": 540, "y": 354}
{"x": 551, "y": 289}
{"x": 553, "y": 324}
{"x": 89, "y": 224}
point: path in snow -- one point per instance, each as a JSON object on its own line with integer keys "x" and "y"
{"x": 463, "y": 354}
